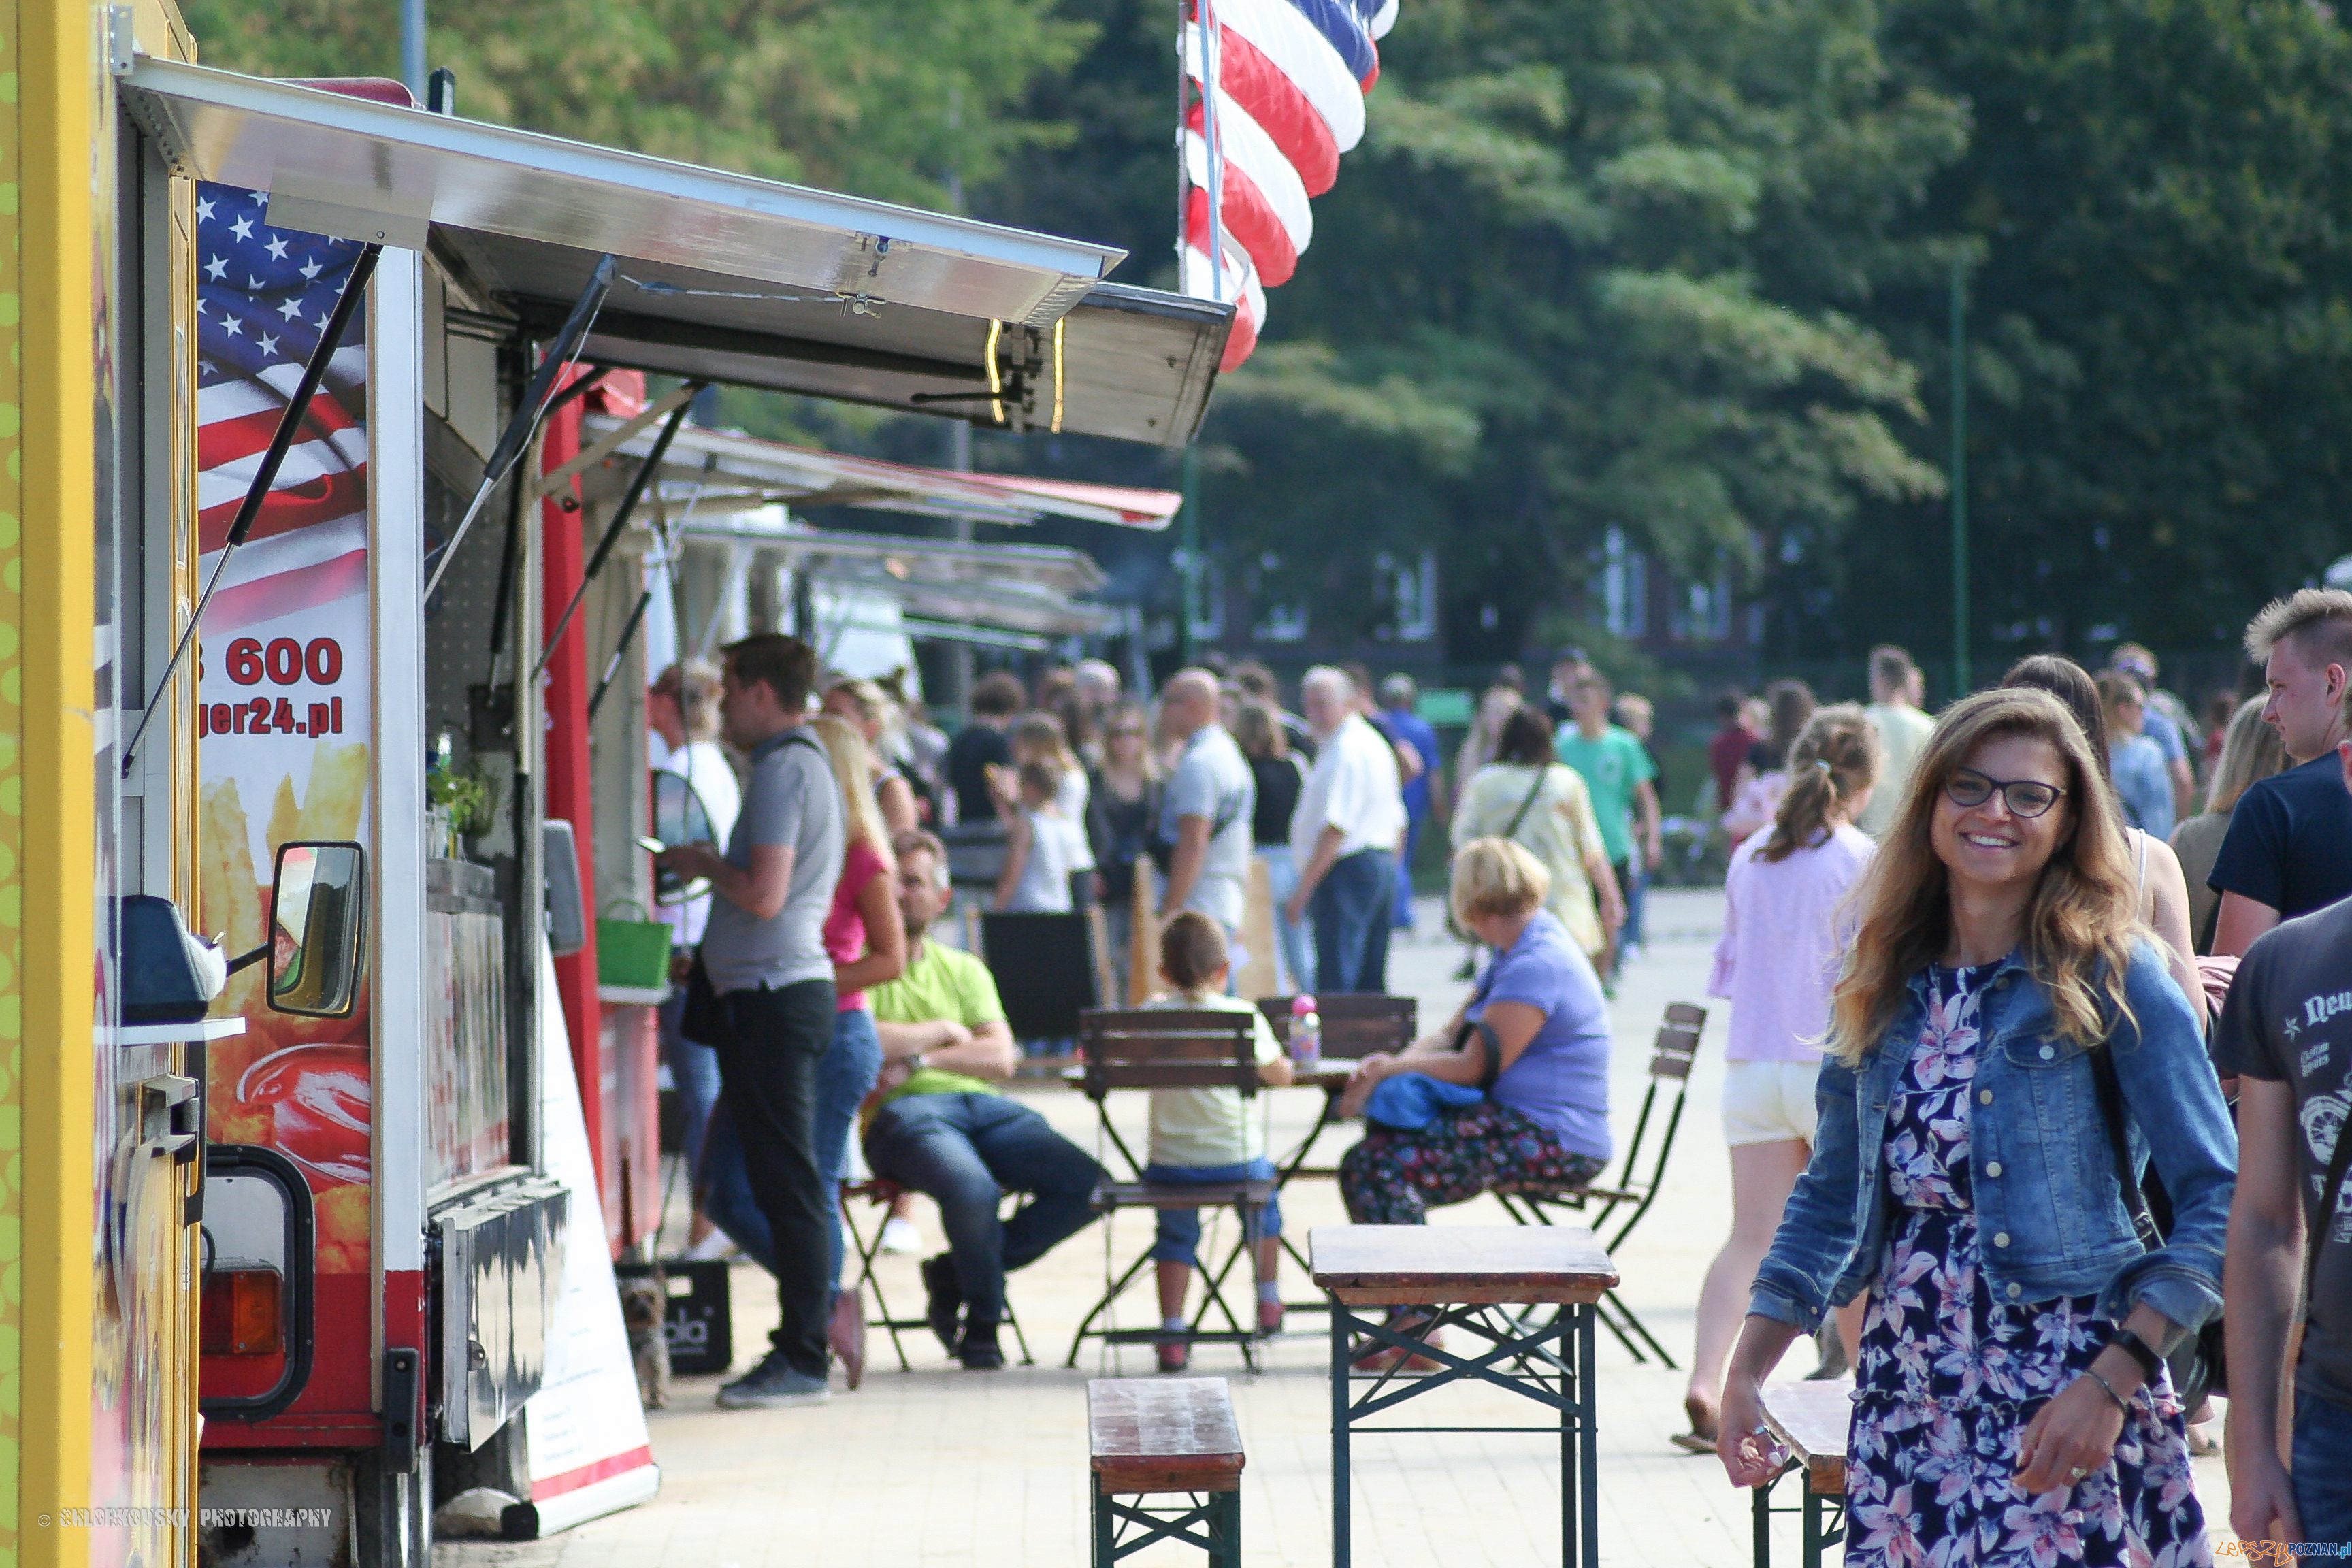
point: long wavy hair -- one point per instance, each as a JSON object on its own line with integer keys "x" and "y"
{"x": 2079, "y": 925}
{"x": 1835, "y": 758}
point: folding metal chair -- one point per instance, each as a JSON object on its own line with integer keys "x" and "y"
{"x": 869, "y": 1248}
{"x": 1639, "y": 1177}
{"x": 1155, "y": 1048}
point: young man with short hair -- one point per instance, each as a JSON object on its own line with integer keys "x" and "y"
{"x": 764, "y": 952}
{"x": 981, "y": 744}
{"x": 1205, "y": 813}
{"x": 944, "y": 1129}
{"x": 2288, "y": 850}
{"x": 2286, "y": 1032}
{"x": 1617, "y": 773}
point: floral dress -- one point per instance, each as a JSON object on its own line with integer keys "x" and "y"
{"x": 1949, "y": 1378}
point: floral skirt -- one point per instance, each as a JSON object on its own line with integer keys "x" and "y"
{"x": 1395, "y": 1177}
{"x": 1947, "y": 1382}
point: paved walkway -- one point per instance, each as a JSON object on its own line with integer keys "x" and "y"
{"x": 937, "y": 1465}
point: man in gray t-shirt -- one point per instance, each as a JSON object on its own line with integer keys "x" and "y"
{"x": 1204, "y": 815}
{"x": 791, "y": 802}
{"x": 763, "y": 952}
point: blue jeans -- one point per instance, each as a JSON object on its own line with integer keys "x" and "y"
{"x": 1636, "y": 890}
{"x": 1178, "y": 1239}
{"x": 1294, "y": 939}
{"x": 693, "y": 1069}
{"x": 845, "y": 1075}
{"x": 1353, "y": 906}
{"x": 964, "y": 1151}
{"x": 2323, "y": 1468}
{"x": 1412, "y": 825}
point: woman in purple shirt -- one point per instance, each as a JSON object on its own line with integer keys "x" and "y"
{"x": 1540, "y": 1009}
{"x": 1777, "y": 960}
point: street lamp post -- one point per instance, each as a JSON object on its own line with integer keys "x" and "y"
{"x": 1961, "y": 679}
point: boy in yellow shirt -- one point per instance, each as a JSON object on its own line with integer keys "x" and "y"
{"x": 1202, "y": 1136}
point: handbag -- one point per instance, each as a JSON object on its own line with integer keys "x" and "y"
{"x": 2196, "y": 1364}
{"x": 1412, "y": 1100}
{"x": 704, "y": 1018}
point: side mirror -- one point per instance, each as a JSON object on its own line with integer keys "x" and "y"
{"x": 319, "y": 916}
{"x": 566, "y": 905}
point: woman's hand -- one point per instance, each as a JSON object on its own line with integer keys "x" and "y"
{"x": 1750, "y": 1456}
{"x": 1363, "y": 1081}
{"x": 2072, "y": 1437}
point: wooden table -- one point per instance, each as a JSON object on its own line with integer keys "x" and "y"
{"x": 1812, "y": 1419}
{"x": 1463, "y": 1275}
{"x": 1149, "y": 1437}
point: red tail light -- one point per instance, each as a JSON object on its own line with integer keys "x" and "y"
{"x": 244, "y": 1312}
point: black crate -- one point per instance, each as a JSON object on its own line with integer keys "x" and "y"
{"x": 700, "y": 1326}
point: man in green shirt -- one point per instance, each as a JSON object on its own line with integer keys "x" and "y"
{"x": 944, "y": 1129}
{"x": 1617, "y": 772}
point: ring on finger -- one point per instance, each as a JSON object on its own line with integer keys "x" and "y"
{"x": 2079, "y": 1472}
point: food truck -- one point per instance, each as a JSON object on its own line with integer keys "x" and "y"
{"x": 317, "y": 358}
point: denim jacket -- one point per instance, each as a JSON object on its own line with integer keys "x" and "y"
{"x": 2050, "y": 1213}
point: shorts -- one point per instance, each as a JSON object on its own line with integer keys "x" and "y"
{"x": 1764, "y": 1102}
{"x": 1177, "y": 1238}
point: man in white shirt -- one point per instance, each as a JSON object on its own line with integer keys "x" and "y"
{"x": 1902, "y": 731}
{"x": 1344, "y": 837}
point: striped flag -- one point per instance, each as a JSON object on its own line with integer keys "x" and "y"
{"x": 263, "y": 296}
{"x": 1277, "y": 96}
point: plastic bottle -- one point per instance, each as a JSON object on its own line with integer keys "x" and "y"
{"x": 1306, "y": 1035}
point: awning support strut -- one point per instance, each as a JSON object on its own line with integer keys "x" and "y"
{"x": 621, "y": 514}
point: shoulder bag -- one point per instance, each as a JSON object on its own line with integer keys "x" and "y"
{"x": 2196, "y": 1364}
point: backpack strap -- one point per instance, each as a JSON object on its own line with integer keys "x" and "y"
{"x": 2112, "y": 1113}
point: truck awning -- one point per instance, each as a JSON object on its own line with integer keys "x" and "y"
{"x": 723, "y": 276}
{"x": 739, "y": 472}
{"x": 1010, "y": 588}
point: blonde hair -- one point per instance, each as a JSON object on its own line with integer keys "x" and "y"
{"x": 2251, "y": 751}
{"x": 852, "y": 772}
{"x": 1040, "y": 737}
{"x": 1835, "y": 758}
{"x": 2084, "y": 910}
{"x": 1496, "y": 877}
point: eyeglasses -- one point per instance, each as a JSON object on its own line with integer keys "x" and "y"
{"x": 2026, "y": 798}
{"x": 1126, "y": 733}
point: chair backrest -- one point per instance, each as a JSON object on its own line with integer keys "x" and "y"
{"x": 1676, "y": 1047}
{"x": 1167, "y": 1047}
{"x": 1356, "y": 1024}
{"x": 1045, "y": 970}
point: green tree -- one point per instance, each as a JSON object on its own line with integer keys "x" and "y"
{"x": 2160, "y": 359}
{"x": 886, "y": 98}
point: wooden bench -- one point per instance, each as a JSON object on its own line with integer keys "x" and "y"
{"x": 1811, "y": 1419}
{"x": 1151, "y": 1436}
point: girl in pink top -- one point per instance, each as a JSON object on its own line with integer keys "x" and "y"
{"x": 1776, "y": 962}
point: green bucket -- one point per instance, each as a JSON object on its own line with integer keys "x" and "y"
{"x": 632, "y": 952}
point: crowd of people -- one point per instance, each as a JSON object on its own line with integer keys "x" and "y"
{"x": 1998, "y": 978}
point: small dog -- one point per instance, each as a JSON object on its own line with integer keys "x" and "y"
{"x": 645, "y": 1309}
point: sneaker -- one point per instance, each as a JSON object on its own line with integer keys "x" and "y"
{"x": 979, "y": 1351}
{"x": 946, "y": 1298}
{"x": 772, "y": 1385}
{"x": 1175, "y": 1356}
{"x": 901, "y": 1237}
{"x": 846, "y": 1334}
{"x": 1269, "y": 1317}
{"x": 712, "y": 1248}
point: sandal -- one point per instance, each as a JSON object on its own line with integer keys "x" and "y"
{"x": 1701, "y": 1438}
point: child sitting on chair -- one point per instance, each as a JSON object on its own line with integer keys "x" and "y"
{"x": 1201, "y": 1136}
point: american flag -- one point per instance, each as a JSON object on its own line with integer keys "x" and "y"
{"x": 263, "y": 298}
{"x": 1277, "y": 95}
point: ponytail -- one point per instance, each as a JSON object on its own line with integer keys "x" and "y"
{"x": 1832, "y": 761}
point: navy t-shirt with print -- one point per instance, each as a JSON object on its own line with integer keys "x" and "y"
{"x": 2290, "y": 841}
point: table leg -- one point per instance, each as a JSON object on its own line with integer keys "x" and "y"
{"x": 1106, "y": 1527}
{"x": 1225, "y": 1528}
{"x": 1572, "y": 1449}
{"x": 1762, "y": 1507}
{"x": 1342, "y": 1317}
{"x": 1812, "y": 1524}
{"x": 1588, "y": 1413}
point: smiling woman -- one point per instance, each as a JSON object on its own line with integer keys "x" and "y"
{"x": 1963, "y": 1173}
